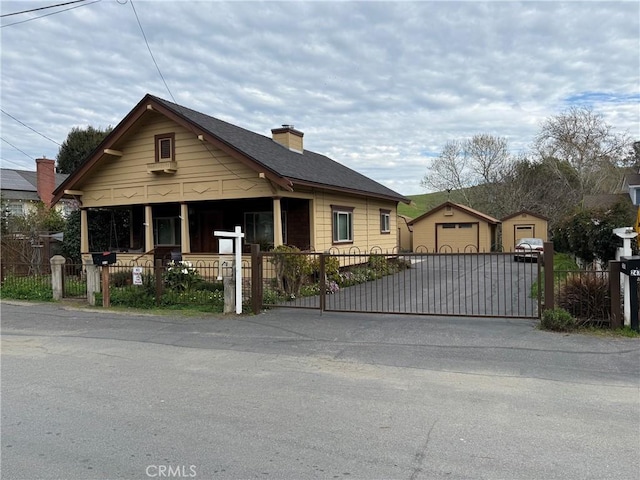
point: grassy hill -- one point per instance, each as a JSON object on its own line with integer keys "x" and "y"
{"x": 422, "y": 203}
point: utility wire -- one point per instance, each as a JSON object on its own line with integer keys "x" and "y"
{"x": 11, "y": 161}
{"x": 32, "y": 129}
{"x": 6, "y": 141}
{"x": 41, "y": 8}
{"x": 151, "y": 53}
{"x": 49, "y": 14}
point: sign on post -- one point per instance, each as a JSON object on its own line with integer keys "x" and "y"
{"x": 137, "y": 275}
{"x": 237, "y": 236}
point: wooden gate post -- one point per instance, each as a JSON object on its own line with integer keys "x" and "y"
{"x": 614, "y": 291}
{"x": 256, "y": 279}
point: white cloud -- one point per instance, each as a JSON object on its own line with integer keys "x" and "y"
{"x": 374, "y": 85}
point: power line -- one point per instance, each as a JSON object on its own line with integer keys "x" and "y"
{"x": 6, "y": 141}
{"x": 41, "y": 8}
{"x": 32, "y": 129}
{"x": 10, "y": 161}
{"x": 151, "y": 53}
{"x": 49, "y": 14}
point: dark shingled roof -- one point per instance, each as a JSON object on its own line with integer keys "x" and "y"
{"x": 307, "y": 167}
{"x": 22, "y": 184}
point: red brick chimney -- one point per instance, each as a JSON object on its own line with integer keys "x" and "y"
{"x": 46, "y": 179}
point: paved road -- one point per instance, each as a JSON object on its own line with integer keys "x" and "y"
{"x": 295, "y": 394}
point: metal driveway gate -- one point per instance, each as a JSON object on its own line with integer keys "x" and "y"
{"x": 456, "y": 284}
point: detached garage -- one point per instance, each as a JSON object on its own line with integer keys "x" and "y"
{"x": 522, "y": 224}
{"x": 452, "y": 228}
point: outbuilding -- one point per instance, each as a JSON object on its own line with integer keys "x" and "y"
{"x": 451, "y": 228}
{"x": 523, "y": 224}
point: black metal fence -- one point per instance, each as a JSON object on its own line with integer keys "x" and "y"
{"x": 463, "y": 284}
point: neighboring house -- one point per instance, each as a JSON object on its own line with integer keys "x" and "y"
{"x": 182, "y": 175}
{"x": 452, "y": 227}
{"x": 523, "y": 224}
{"x": 22, "y": 189}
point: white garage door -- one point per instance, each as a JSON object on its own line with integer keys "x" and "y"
{"x": 457, "y": 237}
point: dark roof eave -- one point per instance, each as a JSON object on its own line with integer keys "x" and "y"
{"x": 306, "y": 183}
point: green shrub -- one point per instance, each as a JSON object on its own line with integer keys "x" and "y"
{"x": 291, "y": 269}
{"x": 132, "y": 297}
{"x": 558, "y": 320}
{"x": 26, "y": 290}
{"x": 271, "y": 297}
{"x": 121, "y": 278}
{"x": 586, "y": 297}
{"x": 181, "y": 275}
{"x": 331, "y": 268}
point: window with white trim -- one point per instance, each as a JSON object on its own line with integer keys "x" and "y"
{"x": 385, "y": 221}
{"x": 342, "y": 220}
{"x": 165, "y": 147}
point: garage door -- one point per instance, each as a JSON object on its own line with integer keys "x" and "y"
{"x": 457, "y": 237}
{"x": 524, "y": 231}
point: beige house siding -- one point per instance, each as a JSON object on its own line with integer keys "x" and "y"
{"x": 366, "y": 223}
{"x": 202, "y": 174}
{"x": 426, "y": 230}
{"x": 515, "y": 228}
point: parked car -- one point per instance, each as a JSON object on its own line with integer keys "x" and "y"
{"x": 527, "y": 248}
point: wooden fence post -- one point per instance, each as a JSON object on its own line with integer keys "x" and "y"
{"x": 614, "y": 291}
{"x": 256, "y": 279}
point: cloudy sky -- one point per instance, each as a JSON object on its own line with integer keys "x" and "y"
{"x": 378, "y": 86}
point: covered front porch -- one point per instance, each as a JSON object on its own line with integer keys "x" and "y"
{"x": 169, "y": 231}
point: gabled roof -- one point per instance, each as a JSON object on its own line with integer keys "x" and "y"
{"x": 22, "y": 184}
{"x": 457, "y": 206}
{"x": 263, "y": 154}
{"x": 528, "y": 212}
{"x": 632, "y": 179}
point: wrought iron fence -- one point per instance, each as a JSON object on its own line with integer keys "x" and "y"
{"x": 24, "y": 282}
{"x": 463, "y": 284}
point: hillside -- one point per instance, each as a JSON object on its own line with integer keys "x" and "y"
{"x": 422, "y": 203}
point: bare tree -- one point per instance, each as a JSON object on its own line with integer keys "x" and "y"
{"x": 478, "y": 162}
{"x": 588, "y": 144}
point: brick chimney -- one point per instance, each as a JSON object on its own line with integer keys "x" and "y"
{"x": 45, "y": 179}
{"x": 289, "y": 137}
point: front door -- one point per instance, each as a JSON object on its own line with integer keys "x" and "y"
{"x": 202, "y": 238}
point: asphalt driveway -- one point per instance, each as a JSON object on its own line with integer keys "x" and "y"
{"x": 297, "y": 394}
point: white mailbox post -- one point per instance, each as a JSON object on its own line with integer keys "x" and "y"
{"x": 626, "y": 234}
{"x": 237, "y": 236}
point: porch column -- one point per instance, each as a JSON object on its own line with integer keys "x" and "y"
{"x": 148, "y": 228}
{"x": 277, "y": 222}
{"x": 185, "y": 239}
{"x": 84, "y": 231}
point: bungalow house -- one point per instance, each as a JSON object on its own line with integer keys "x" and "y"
{"x": 181, "y": 175}
{"x": 451, "y": 228}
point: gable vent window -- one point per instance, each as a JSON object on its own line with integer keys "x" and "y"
{"x": 165, "y": 147}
